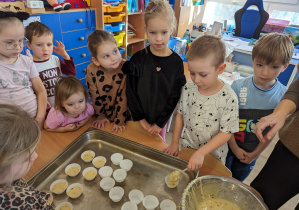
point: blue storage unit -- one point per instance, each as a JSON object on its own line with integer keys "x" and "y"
{"x": 113, "y": 27}
{"x": 121, "y": 50}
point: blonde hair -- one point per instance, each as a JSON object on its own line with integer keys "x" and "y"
{"x": 64, "y": 88}
{"x": 207, "y": 45}
{"x": 19, "y": 133}
{"x": 8, "y": 21}
{"x": 97, "y": 38}
{"x": 160, "y": 8}
{"x": 272, "y": 48}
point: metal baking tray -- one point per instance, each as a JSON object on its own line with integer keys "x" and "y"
{"x": 148, "y": 173}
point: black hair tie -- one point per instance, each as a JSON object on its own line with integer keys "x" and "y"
{"x": 20, "y": 15}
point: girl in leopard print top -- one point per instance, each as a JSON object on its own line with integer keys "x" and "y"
{"x": 19, "y": 136}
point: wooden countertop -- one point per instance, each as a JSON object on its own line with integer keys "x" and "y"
{"x": 51, "y": 144}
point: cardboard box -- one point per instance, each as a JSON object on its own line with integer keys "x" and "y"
{"x": 275, "y": 25}
{"x": 35, "y": 10}
{"x": 35, "y": 4}
{"x": 293, "y": 32}
{"x": 17, "y": 6}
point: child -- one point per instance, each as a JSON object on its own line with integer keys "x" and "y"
{"x": 156, "y": 73}
{"x": 208, "y": 108}
{"x": 19, "y": 135}
{"x": 106, "y": 81}
{"x": 71, "y": 110}
{"x": 19, "y": 81}
{"x": 258, "y": 95}
{"x": 49, "y": 66}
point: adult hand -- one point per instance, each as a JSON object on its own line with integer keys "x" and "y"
{"x": 144, "y": 124}
{"x": 275, "y": 121}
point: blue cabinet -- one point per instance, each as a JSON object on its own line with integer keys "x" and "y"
{"x": 72, "y": 27}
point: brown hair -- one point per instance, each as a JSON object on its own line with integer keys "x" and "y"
{"x": 19, "y": 133}
{"x": 205, "y": 46}
{"x": 272, "y": 48}
{"x": 36, "y": 29}
{"x": 97, "y": 38}
{"x": 64, "y": 88}
{"x": 160, "y": 8}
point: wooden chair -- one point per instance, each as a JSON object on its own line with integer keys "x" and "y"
{"x": 136, "y": 125}
{"x": 210, "y": 165}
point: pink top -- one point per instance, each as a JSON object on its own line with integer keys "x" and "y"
{"x": 56, "y": 119}
{"x": 15, "y": 84}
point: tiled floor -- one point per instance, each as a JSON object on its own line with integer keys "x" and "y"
{"x": 291, "y": 204}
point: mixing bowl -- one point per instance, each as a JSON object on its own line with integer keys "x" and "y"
{"x": 218, "y": 188}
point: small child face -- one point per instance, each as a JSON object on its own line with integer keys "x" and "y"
{"x": 42, "y": 47}
{"x": 21, "y": 166}
{"x": 265, "y": 74}
{"x": 75, "y": 104}
{"x": 158, "y": 31}
{"x": 11, "y": 42}
{"x": 108, "y": 56}
{"x": 204, "y": 74}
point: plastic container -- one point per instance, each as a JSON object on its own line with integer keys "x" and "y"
{"x": 129, "y": 206}
{"x": 119, "y": 175}
{"x": 126, "y": 164}
{"x": 72, "y": 169}
{"x": 109, "y": 8}
{"x": 87, "y": 156}
{"x": 89, "y": 173}
{"x": 99, "y": 161}
{"x": 63, "y": 205}
{"x": 150, "y": 202}
{"x": 119, "y": 38}
{"x": 113, "y": 18}
{"x": 167, "y": 204}
{"x": 186, "y": 36}
{"x": 113, "y": 27}
{"x": 116, "y": 194}
{"x": 136, "y": 196}
{"x": 59, "y": 186}
{"x": 107, "y": 183}
{"x": 74, "y": 190}
{"x": 105, "y": 171}
{"x": 116, "y": 158}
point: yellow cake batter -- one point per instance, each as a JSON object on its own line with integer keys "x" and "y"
{"x": 216, "y": 204}
{"x": 174, "y": 177}
{"x": 59, "y": 187}
{"x": 74, "y": 192}
{"x": 99, "y": 163}
{"x": 65, "y": 207}
{"x": 88, "y": 156}
{"x": 90, "y": 174}
{"x": 73, "y": 171}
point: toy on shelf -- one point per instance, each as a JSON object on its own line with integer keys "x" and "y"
{"x": 58, "y": 6}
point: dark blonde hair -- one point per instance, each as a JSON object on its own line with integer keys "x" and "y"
{"x": 7, "y": 18}
{"x": 19, "y": 133}
{"x": 64, "y": 88}
{"x": 272, "y": 48}
{"x": 36, "y": 29}
{"x": 160, "y": 8}
{"x": 207, "y": 45}
{"x": 97, "y": 38}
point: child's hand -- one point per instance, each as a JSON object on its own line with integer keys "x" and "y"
{"x": 240, "y": 153}
{"x": 196, "y": 161}
{"x": 70, "y": 127}
{"x": 154, "y": 130}
{"x": 60, "y": 50}
{"x": 115, "y": 128}
{"x": 81, "y": 123}
{"x": 172, "y": 149}
{"x": 145, "y": 124}
{"x": 248, "y": 158}
{"x": 100, "y": 123}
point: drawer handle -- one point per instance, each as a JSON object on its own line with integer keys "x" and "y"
{"x": 83, "y": 55}
{"x": 82, "y": 38}
{"x": 80, "y": 20}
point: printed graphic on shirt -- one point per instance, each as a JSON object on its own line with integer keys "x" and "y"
{"x": 246, "y": 137}
{"x": 49, "y": 78}
{"x": 243, "y": 96}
